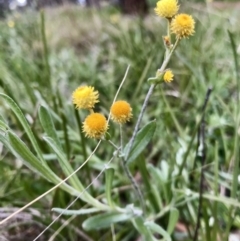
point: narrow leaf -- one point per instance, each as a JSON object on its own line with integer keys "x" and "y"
{"x": 3, "y": 125}
{"x": 158, "y": 229}
{"x": 47, "y": 124}
{"x": 105, "y": 220}
{"x": 160, "y": 181}
{"x": 21, "y": 151}
{"x": 68, "y": 170}
{"x": 109, "y": 179}
{"x": 142, "y": 139}
{"x": 64, "y": 163}
{"x": 174, "y": 215}
{"x": 75, "y": 212}
{"x": 138, "y": 223}
{"x": 147, "y": 182}
{"x": 17, "y": 111}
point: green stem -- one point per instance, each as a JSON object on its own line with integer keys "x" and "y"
{"x": 112, "y": 144}
{"x": 121, "y": 136}
{"x": 130, "y": 177}
{"x": 135, "y": 185}
{"x": 169, "y": 36}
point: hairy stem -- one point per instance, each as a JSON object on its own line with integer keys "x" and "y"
{"x": 135, "y": 185}
{"x": 130, "y": 177}
{"x": 144, "y": 106}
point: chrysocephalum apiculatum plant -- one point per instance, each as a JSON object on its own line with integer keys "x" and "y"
{"x": 180, "y": 26}
{"x": 146, "y": 207}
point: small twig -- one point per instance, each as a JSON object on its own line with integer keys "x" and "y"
{"x": 201, "y": 142}
{"x": 121, "y": 137}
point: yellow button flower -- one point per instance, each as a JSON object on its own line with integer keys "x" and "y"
{"x": 166, "y": 8}
{"x": 84, "y": 97}
{"x": 168, "y": 76}
{"x": 121, "y": 112}
{"x": 183, "y": 25}
{"x": 95, "y": 126}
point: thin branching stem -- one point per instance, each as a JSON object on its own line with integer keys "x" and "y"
{"x": 144, "y": 106}
{"x": 112, "y": 144}
{"x": 134, "y": 184}
{"x": 121, "y": 137}
{"x": 131, "y": 178}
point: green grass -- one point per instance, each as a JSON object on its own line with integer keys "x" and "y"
{"x": 95, "y": 47}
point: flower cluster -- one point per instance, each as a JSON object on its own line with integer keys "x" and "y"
{"x": 182, "y": 25}
{"x": 95, "y": 125}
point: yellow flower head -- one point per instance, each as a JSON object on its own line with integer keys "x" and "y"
{"x": 183, "y": 25}
{"x": 95, "y": 126}
{"x": 121, "y": 112}
{"x": 84, "y": 97}
{"x": 166, "y": 8}
{"x": 168, "y": 76}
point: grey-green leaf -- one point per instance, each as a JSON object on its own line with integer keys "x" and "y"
{"x": 142, "y": 139}
{"x": 15, "y": 108}
{"x": 109, "y": 174}
{"x": 156, "y": 228}
{"x": 75, "y": 212}
{"x": 173, "y": 218}
{"x": 47, "y": 124}
{"x": 105, "y": 220}
{"x": 138, "y": 223}
{"x": 68, "y": 170}
{"x": 21, "y": 151}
